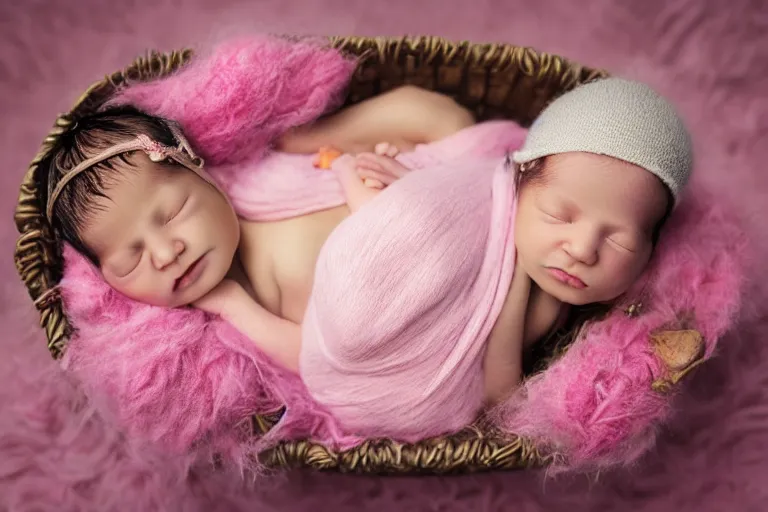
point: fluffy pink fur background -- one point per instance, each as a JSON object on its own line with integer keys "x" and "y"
{"x": 710, "y": 57}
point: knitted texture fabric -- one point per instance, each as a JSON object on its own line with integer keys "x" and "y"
{"x": 618, "y": 118}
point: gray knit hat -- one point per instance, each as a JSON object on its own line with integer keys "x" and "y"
{"x": 618, "y": 118}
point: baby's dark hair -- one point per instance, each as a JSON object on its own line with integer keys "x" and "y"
{"x": 91, "y": 135}
{"x": 535, "y": 173}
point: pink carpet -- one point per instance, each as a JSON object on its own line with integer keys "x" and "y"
{"x": 707, "y": 55}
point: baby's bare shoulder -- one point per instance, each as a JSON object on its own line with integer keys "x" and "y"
{"x": 280, "y": 257}
{"x": 257, "y": 257}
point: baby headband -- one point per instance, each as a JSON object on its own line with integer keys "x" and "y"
{"x": 156, "y": 152}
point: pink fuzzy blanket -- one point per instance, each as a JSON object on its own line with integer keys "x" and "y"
{"x": 180, "y": 378}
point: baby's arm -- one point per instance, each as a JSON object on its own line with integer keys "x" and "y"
{"x": 405, "y": 116}
{"x": 503, "y": 363}
{"x": 279, "y": 338}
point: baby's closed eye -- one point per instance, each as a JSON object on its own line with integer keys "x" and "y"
{"x": 624, "y": 242}
{"x": 128, "y": 262}
{"x": 176, "y": 210}
{"x": 556, "y": 216}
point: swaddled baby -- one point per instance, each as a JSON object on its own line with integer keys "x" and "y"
{"x": 426, "y": 297}
{"x": 599, "y": 173}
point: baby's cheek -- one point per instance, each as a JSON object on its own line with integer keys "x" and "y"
{"x": 641, "y": 260}
{"x": 140, "y": 289}
{"x": 629, "y": 268}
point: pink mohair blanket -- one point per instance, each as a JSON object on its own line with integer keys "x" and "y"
{"x": 183, "y": 379}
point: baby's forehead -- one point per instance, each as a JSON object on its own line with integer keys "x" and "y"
{"x": 129, "y": 189}
{"x": 140, "y": 172}
{"x": 582, "y": 168}
{"x": 601, "y": 182}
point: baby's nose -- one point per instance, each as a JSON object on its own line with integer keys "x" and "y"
{"x": 166, "y": 253}
{"x": 584, "y": 249}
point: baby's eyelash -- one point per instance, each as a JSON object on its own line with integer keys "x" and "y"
{"x": 178, "y": 210}
{"x": 623, "y": 246}
{"x": 136, "y": 253}
{"x": 559, "y": 218}
{"x": 134, "y": 265}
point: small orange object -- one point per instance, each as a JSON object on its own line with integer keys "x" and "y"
{"x": 325, "y": 157}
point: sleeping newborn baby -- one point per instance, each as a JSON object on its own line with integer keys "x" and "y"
{"x": 599, "y": 174}
{"x": 462, "y": 264}
{"x": 128, "y": 192}
{"x": 578, "y": 217}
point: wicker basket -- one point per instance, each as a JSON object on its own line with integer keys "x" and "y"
{"x": 494, "y": 80}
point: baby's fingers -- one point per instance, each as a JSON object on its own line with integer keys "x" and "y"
{"x": 386, "y": 149}
{"x": 372, "y": 183}
{"x": 382, "y": 164}
{"x": 384, "y": 179}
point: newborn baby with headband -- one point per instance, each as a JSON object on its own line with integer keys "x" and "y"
{"x": 126, "y": 190}
{"x": 573, "y": 222}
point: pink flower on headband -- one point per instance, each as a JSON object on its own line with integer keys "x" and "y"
{"x": 155, "y": 151}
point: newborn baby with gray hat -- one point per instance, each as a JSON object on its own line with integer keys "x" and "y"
{"x": 600, "y": 171}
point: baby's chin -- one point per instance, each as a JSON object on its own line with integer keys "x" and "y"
{"x": 167, "y": 297}
{"x": 189, "y": 298}
{"x": 170, "y": 300}
{"x": 570, "y": 297}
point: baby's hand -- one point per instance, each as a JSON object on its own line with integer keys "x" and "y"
{"x": 363, "y": 176}
{"x": 223, "y": 299}
{"x": 355, "y": 191}
{"x": 380, "y": 169}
